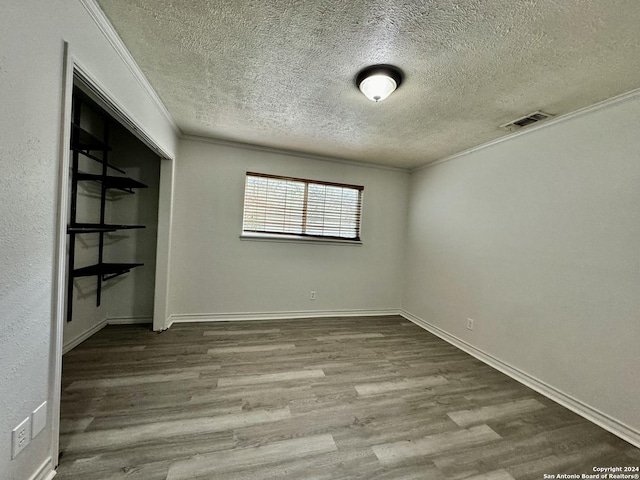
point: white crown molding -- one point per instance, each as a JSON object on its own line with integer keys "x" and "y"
{"x": 291, "y": 153}
{"x": 609, "y": 102}
{"x": 592, "y": 414}
{"x": 118, "y": 45}
{"x": 302, "y": 315}
{"x": 112, "y": 36}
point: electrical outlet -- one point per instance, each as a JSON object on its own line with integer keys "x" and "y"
{"x": 470, "y": 323}
{"x": 38, "y": 419}
{"x": 312, "y": 295}
{"x": 21, "y": 436}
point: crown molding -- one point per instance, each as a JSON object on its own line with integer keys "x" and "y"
{"x": 291, "y": 153}
{"x": 114, "y": 39}
{"x": 609, "y": 102}
{"x": 103, "y": 23}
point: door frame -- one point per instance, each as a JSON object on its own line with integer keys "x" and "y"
{"x": 73, "y": 69}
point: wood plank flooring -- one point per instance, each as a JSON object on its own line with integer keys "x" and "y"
{"x": 345, "y": 398}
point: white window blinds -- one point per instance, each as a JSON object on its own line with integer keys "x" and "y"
{"x": 294, "y": 206}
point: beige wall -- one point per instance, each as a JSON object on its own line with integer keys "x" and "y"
{"x": 537, "y": 238}
{"x": 214, "y": 272}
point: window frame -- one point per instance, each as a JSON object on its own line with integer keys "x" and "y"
{"x": 303, "y": 237}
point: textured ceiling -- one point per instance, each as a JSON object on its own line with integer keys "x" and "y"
{"x": 280, "y": 73}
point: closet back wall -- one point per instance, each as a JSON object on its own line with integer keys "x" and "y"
{"x": 132, "y": 298}
{"x": 217, "y": 275}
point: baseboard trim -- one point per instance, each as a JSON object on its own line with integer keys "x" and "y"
{"x": 83, "y": 336}
{"x": 303, "y": 314}
{"x": 592, "y": 414}
{"x": 45, "y": 472}
{"x": 129, "y": 320}
{"x": 99, "y": 326}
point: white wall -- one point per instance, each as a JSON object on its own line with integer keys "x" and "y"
{"x": 31, "y": 72}
{"x": 131, "y": 296}
{"x": 537, "y": 238}
{"x": 214, "y": 272}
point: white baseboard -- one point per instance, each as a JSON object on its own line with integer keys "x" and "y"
{"x": 592, "y": 414}
{"x": 129, "y": 320}
{"x": 303, "y": 314}
{"x": 70, "y": 345}
{"x": 99, "y": 326}
{"x": 45, "y": 472}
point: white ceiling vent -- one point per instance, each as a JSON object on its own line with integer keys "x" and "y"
{"x": 526, "y": 120}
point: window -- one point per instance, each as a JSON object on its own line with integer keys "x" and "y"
{"x": 297, "y": 207}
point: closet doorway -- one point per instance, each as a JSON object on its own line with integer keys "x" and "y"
{"x": 112, "y": 223}
{"x": 108, "y": 268}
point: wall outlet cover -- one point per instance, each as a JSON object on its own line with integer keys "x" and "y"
{"x": 21, "y": 436}
{"x": 39, "y": 419}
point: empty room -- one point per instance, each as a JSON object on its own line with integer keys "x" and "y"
{"x": 320, "y": 240}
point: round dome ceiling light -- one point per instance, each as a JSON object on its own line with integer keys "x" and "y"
{"x": 377, "y": 82}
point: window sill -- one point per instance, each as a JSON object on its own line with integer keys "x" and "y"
{"x": 265, "y": 237}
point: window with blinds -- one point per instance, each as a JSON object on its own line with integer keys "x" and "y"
{"x": 295, "y": 206}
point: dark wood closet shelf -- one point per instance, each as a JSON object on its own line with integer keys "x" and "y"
{"x": 110, "y": 270}
{"x": 83, "y": 140}
{"x": 109, "y": 181}
{"x": 99, "y": 227}
{"x": 86, "y": 145}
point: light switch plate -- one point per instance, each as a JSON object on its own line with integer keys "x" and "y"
{"x": 39, "y": 419}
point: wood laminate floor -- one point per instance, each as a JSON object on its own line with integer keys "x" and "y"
{"x": 345, "y": 398}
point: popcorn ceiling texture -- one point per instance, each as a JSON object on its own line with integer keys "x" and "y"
{"x": 281, "y": 73}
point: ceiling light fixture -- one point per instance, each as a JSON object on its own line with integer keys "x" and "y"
{"x": 377, "y": 82}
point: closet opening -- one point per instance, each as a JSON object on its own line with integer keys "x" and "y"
{"x": 114, "y": 220}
